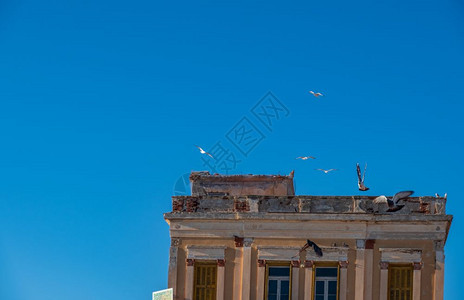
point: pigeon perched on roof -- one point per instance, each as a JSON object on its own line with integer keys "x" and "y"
{"x": 361, "y": 185}
{"x": 393, "y": 203}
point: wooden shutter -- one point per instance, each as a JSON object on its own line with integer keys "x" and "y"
{"x": 400, "y": 282}
{"x": 205, "y": 281}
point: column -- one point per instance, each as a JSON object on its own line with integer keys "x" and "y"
{"x": 172, "y": 269}
{"x": 260, "y": 284}
{"x": 359, "y": 270}
{"x": 237, "y": 292}
{"x": 383, "y": 295}
{"x": 246, "y": 268}
{"x": 221, "y": 264}
{"x": 369, "y": 269}
{"x": 308, "y": 279}
{"x": 416, "y": 284}
{"x": 439, "y": 270}
{"x": 343, "y": 279}
{"x": 189, "y": 278}
{"x": 295, "y": 278}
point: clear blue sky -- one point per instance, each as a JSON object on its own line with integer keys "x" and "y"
{"x": 101, "y": 103}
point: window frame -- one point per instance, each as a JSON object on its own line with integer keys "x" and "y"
{"x": 278, "y": 264}
{"x": 200, "y": 263}
{"x": 325, "y": 264}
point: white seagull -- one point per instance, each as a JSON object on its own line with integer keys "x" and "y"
{"x": 316, "y": 94}
{"x": 203, "y": 151}
{"x": 326, "y": 171}
{"x": 305, "y": 157}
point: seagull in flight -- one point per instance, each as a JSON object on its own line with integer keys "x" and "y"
{"x": 317, "y": 95}
{"x": 393, "y": 203}
{"x": 312, "y": 244}
{"x": 361, "y": 185}
{"x": 326, "y": 171}
{"x": 203, "y": 151}
{"x": 305, "y": 157}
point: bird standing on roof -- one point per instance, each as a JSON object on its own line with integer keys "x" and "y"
{"x": 361, "y": 185}
{"x": 393, "y": 203}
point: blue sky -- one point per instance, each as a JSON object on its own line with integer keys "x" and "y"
{"x": 101, "y": 103}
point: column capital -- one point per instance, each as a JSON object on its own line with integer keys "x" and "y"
{"x": 190, "y": 262}
{"x": 238, "y": 241}
{"x": 309, "y": 263}
{"x": 261, "y": 263}
{"x": 370, "y": 244}
{"x": 360, "y": 244}
{"x": 221, "y": 262}
{"x": 295, "y": 263}
{"x": 247, "y": 242}
{"x": 417, "y": 265}
{"x": 343, "y": 264}
{"x": 175, "y": 242}
{"x": 439, "y": 245}
{"x": 383, "y": 265}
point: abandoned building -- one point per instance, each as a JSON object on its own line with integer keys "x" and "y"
{"x": 239, "y": 238}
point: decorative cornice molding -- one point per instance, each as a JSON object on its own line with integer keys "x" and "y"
{"x": 343, "y": 264}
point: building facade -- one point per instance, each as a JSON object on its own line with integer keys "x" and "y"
{"x": 239, "y": 237}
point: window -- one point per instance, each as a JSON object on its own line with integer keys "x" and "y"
{"x": 326, "y": 283}
{"x": 205, "y": 281}
{"x": 400, "y": 282}
{"x": 278, "y": 283}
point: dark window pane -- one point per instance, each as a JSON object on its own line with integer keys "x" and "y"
{"x": 326, "y": 272}
{"x": 272, "y": 297}
{"x": 272, "y": 287}
{"x": 332, "y": 297}
{"x": 284, "y": 287}
{"x": 319, "y": 287}
{"x": 320, "y": 297}
{"x": 332, "y": 287}
{"x": 279, "y": 271}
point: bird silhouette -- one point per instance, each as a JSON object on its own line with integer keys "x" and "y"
{"x": 361, "y": 185}
{"x": 393, "y": 203}
{"x": 315, "y": 247}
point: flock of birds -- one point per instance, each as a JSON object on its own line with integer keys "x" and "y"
{"x": 394, "y": 204}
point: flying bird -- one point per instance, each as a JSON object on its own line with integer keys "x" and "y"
{"x": 305, "y": 157}
{"x": 316, "y": 248}
{"x": 326, "y": 171}
{"x": 393, "y": 203}
{"x": 361, "y": 185}
{"x": 315, "y": 94}
{"x": 203, "y": 151}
